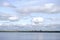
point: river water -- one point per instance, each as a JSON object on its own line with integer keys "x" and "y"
{"x": 29, "y": 36}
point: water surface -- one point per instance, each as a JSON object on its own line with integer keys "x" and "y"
{"x": 29, "y": 36}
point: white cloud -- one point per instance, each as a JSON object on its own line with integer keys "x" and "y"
{"x": 49, "y": 6}
{"x": 46, "y": 8}
{"x": 37, "y": 20}
{"x": 24, "y": 24}
{"x": 7, "y": 4}
{"x": 13, "y": 18}
{"x": 0, "y": 24}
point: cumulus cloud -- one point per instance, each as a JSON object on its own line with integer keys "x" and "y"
{"x": 46, "y": 8}
{"x": 37, "y": 20}
{"x": 7, "y": 4}
{"x": 5, "y": 17}
{"x": 13, "y": 18}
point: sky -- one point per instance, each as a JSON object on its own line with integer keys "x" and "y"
{"x": 32, "y": 12}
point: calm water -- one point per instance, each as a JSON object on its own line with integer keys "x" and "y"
{"x": 29, "y": 36}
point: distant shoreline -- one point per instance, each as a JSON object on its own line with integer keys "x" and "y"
{"x": 35, "y": 31}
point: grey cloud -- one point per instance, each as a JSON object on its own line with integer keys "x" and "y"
{"x": 50, "y": 27}
{"x": 54, "y": 19}
{"x": 47, "y": 8}
{"x": 5, "y": 17}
